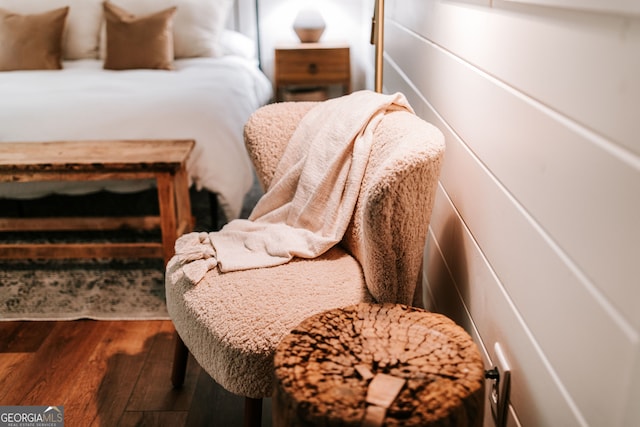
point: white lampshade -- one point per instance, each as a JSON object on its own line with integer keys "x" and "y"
{"x": 309, "y": 25}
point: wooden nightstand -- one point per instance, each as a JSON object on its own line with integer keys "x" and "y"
{"x": 303, "y": 67}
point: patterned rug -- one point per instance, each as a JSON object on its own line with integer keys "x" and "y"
{"x": 93, "y": 289}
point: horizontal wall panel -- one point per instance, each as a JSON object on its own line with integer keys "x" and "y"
{"x": 613, "y": 6}
{"x": 448, "y": 302}
{"x": 533, "y": 384}
{"x": 584, "y": 198}
{"x": 583, "y": 65}
{"x": 563, "y": 316}
{"x": 632, "y": 412}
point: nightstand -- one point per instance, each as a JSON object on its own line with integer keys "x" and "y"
{"x": 308, "y": 71}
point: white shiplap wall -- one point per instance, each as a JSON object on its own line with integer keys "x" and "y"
{"x": 535, "y": 236}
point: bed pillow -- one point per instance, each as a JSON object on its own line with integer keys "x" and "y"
{"x": 237, "y": 44}
{"x": 138, "y": 42}
{"x": 82, "y": 30}
{"x": 31, "y": 42}
{"x": 197, "y": 25}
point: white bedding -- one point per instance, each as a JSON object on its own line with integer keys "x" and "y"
{"x": 206, "y": 99}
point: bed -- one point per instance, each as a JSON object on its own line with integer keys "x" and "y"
{"x": 209, "y": 86}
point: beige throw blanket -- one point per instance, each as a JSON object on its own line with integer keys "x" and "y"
{"x": 308, "y": 206}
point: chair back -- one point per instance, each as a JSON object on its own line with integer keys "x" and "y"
{"x": 388, "y": 229}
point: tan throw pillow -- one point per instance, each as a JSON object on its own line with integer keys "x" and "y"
{"x": 81, "y": 36}
{"x": 31, "y": 42}
{"x": 197, "y": 25}
{"x": 138, "y": 42}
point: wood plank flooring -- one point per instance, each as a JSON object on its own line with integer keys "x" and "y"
{"x": 110, "y": 374}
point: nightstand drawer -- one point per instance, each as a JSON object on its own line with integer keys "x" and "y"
{"x": 322, "y": 65}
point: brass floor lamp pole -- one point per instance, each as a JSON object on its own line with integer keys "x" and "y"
{"x": 378, "y": 41}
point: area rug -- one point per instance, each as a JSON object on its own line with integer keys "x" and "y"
{"x": 82, "y": 289}
{"x": 95, "y": 289}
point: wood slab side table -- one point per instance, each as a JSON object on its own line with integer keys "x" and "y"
{"x": 374, "y": 365}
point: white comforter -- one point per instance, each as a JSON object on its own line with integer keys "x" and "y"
{"x": 206, "y": 99}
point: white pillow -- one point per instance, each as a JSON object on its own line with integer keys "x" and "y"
{"x": 80, "y": 39}
{"x": 197, "y": 24}
{"x": 237, "y": 44}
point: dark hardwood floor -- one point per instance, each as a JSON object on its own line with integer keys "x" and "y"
{"x": 112, "y": 373}
{"x": 109, "y": 374}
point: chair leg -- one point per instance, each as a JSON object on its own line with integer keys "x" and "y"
{"x": 252, "y": 412}
{"x": 180, "y": 357}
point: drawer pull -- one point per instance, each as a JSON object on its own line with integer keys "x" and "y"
{"x": 313, "y": 68}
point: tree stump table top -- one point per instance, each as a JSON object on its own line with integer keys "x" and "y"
{"x": 375, "y": 365}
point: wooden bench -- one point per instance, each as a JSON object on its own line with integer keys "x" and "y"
{"x": 162, "y": 160}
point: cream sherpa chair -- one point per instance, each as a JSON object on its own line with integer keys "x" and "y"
{"x": 232, "y": 322}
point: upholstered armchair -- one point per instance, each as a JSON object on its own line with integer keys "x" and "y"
{"x": 232, "y": 322}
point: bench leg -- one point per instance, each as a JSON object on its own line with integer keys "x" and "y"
{"x": 168, "y": 223}
{"x": 175, "y": 209}
{"x": 183, "y": 202}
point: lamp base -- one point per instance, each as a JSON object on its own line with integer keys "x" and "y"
{"x": 309, "y": 35}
